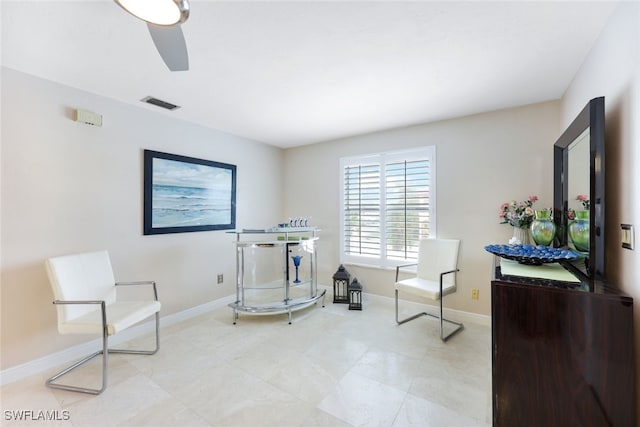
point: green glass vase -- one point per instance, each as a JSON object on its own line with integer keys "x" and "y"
{"x": 579, "y": 231}
{"x": 543, "y": 229}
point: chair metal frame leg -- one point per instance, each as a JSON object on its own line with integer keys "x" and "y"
{"x": 459, "y": 326}
{"x": 104, "y": 352}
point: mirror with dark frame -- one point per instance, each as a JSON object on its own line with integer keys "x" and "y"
{"x": 579, "y": 170}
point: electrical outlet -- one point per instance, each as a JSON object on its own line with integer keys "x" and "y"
{"x": 475, "y": 293}
{"x": 220, "y": 278}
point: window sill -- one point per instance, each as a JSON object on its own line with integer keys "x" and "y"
{"x": 377, "y": 267}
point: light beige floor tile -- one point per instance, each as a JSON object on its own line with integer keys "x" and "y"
{"x": 274, "y": 412}
{"x": 121, "y": 402}
{"x": 337, "y": 354}
{"x": 177, "y": 365}
{"x": 26, "y": 402}
{"x": 90, "y": 375}
{"x": 450, "y": 389}
{"x": 225, "y": 394}
{"x": 390, "y": 368}
{"x": 319, "y": 418}
{"x": 304, "y": 378}
{"x": 363, "y": 402}
{"x": 309, "y": 328}
{"x": 417, "y": 412}
{"x": 265, "y": 361}
{"x": 167, "y": 412}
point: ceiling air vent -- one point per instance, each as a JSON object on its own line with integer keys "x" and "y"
{"x": 159, "y": 103}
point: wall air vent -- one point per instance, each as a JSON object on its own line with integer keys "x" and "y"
{"x": 159, "y": 103}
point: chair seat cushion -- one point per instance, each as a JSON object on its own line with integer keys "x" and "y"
{"x": 120, "y": 315}
{"x": 425, "y": 288}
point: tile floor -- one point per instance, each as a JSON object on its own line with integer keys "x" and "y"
{"x": 331, "y": 367}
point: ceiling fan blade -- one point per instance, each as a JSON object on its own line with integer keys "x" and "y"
{"x": 170, "y": 43}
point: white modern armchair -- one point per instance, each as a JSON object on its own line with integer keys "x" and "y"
{"x": 84, "y": 292}
{"x": 436, "y": 277}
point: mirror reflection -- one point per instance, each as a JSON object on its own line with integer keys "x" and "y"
{"x": 578, "y": 170}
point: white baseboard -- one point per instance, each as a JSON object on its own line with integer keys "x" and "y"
{"x": 53, "y": 360}
{"x": 458, "y": 315}
{"x": 466, "y": 316}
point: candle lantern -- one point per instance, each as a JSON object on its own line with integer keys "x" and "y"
{"x": 341, "y": 285}
{"x": 355, "y": 295}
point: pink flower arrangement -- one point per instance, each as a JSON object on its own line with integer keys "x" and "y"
{"x": 518, "y": 214}
{"x": 584, "y": 199}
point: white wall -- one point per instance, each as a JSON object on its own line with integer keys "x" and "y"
{"x": 482, "y": 161}
{"x": 612, "y": 70}
{"x": 69, "y": 187}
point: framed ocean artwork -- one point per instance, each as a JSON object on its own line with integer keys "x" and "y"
{"x": 184, "y": 194}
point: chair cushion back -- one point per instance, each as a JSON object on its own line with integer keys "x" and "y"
{"x": 81, "y": 277}
{"x": 436, "y": 256}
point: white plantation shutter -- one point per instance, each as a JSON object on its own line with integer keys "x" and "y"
{"x": 407, "y": 207}
{"x": 387, "y": 206}
{"x": 362, "y": 210}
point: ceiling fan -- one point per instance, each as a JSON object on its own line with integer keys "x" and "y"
{"x": 163, "y": 18}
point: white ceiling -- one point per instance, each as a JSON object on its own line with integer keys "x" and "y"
{"x": 297, "y": 72}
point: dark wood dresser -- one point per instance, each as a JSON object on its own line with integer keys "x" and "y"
{"x": 562, "y": 353}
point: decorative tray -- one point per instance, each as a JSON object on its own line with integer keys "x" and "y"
{"x": 531, "y": 254}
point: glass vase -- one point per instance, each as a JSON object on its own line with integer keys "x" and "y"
{"x": 543, "y": 229}
{"x": 579, "y": 231}
{"x": 520, "y": 236}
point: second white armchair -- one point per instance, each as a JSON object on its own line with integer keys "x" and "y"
{"x": 435, "y": 277}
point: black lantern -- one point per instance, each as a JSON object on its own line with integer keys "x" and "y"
{"x": 341, "y": 285}
{"x": 355, "y": 295}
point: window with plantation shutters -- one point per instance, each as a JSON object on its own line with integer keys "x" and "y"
{"x": 387, "y": 206}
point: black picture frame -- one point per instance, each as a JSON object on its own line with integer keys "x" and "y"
{"x": 591, "y": 118}
{"x": 186, "y": 194}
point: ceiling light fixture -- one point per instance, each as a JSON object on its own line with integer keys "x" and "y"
{"x": 159, "y": 12}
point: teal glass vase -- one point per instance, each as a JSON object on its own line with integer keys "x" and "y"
{"x": 579, "y": 231}
{"x": 543, "y": 229}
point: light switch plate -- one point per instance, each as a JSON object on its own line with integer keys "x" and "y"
{"x": 627, "y": 236}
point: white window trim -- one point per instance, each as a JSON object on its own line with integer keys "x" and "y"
{"x": 383, "y": 158}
